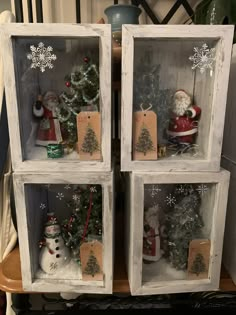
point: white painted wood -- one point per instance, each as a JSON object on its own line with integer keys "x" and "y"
{"x": 229, "y": 150}
{"x": 103, "y": 34}
{"x": 229, "y": 162}
{"x": 214, "y": 206}
{"x": 30, "y": 224}
{"x": 213, "y": 117}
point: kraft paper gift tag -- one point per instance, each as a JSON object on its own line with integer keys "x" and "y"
{"x": 89, "y": 136}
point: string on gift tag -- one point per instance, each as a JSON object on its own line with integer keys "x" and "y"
{"x": 146, "y": 109}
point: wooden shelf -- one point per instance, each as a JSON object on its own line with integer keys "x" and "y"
{"x": 11, "y": 280}
{"x": 10, "y": 276}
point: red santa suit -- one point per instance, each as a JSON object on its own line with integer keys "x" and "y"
{"x": 151, "y": 237}
{"x": 49, "y": 130}
{"x": 183, "y": 125}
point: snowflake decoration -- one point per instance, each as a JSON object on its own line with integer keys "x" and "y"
{"x": 93, "y": 189}
{"x": 53, "y": 221}
{"x": 170, "y": 200}
{"x": 42, "y": 206}
{"x": 203, "y": 58}
{"x": 180, "y": 190}
{"x": 41, "y": 57}
{"x": 67, "y": 187}
{"x": 76, "y": 197}
{"x": 202, "y": 189}
{"x": 53, "y": 266}
{"x": 184, "y": 190}
{"x": 60, "y": 196}
{"x": 154, "y": 190}
{"x": 47, "y": 186}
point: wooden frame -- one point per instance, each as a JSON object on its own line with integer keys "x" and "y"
{"x": 134, "y": 231}
{"x": 29, "y": 223}
{"x": 212, "y": 139}
{"x": 100, "y": 31}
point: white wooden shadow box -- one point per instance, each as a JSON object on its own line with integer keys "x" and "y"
{"x": 174, "y": 228}
{"x": 65, "y": 227}
{"x": 174, "y": 89}
{"x": 58, "y": 92}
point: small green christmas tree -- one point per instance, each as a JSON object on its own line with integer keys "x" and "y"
{"x": 90, "y": 143}
{"x": 83, "y": 86}
{"x": 144, "y": 143}
{"x": 92, "y": 265}
{"x": 198, "y": 265}
{"x": 73, "y": 227}
{"x": 183, "y": 223}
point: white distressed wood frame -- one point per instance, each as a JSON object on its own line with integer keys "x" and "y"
{"x": 223, "y": 33}
{"x": 135, "y": 231}
{"x": 25, "y": 229}
{"x": 101, "y": 31}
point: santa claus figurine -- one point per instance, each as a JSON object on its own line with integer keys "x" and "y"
{"x": 49, "y": 131}
{"x": 151, "y": 237}
{"x": 183, "y": 125}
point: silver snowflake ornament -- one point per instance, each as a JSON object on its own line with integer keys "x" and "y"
{"x": 170, "y": 200}
{"x": 154, "y": 190}
{"x": 67, "y": 187}
{"x": 203, "y": 58}
{"x": 76, "y": 197}
{"x": 93, "y": 189}
{"x": 41, "y": 57}
{"x": 202, "y": 189}
{"x": 60, "y": 196}
{"x": 180, "y": 190}
{"x": 42, "y": 206}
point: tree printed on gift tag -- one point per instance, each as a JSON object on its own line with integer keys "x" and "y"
{"x": 90, "y": 144}
{"x": 198, "y": 265}
{"x": 89, "y": 136}
{"x": 92, "y": 265}
{"x": 144, "y": 143}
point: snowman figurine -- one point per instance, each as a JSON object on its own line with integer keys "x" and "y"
{"x": 54, "y": 254}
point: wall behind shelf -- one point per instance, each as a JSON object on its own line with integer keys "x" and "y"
{"x": 93, "y": 10}
{"x": 5, "y": 5}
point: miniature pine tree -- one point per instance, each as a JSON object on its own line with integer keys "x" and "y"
{"x": 183, "y": 223}
{"x": 73, "y": 227}
{"x": 83, "y": 85}
{"x": 90, "y": 143}
{"x": 198, "y": 265}
{"x": 92, "y": 265}
{"x": 144, "y": 143}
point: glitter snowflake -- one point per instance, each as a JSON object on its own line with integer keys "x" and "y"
{"x": 42, "y": 206}
{"x": 41, "y": 57}
{"x": 170, "y": 200}
{"x": 180, "y": 189}
{"x": 203, "y": 58}
{"x": 60, "y": 196}
{"x": 93, "y": 189}
{"x": 67, "y": 187}
{"x": 76, "y": 197}
{"x": 154, "y": 190}
{"x": 202, "y": 189}
{"x": 184, "y": 189}
{"x": 53, "y": 266}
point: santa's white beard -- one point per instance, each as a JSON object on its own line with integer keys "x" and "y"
{"x": 51, "y": 105}
{"x": 181, "y": 107}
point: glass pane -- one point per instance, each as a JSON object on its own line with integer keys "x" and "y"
{"x": 177, "y": 231}
{"x": 62, "y": 218}
{"x": 58, "y": 78}
{"x": 172, "y": 97}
